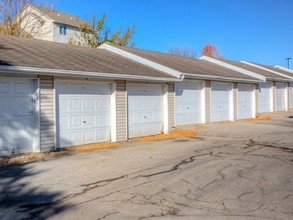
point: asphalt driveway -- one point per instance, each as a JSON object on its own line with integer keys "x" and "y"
{"x": 241, "y": 170}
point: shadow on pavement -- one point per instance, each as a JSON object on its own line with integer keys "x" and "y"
{"x": 19, "y": 199}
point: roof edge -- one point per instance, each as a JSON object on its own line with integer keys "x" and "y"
{"x": 232, "y": 67}
{"x": 34, "y": 7}
{"x": 263, "y": 68}
{"x": 142, "y": 60}
{"x": 283, "y": 68}
{"x": 72, "y": 73}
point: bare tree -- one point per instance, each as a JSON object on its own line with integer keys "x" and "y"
{"x": 14, "y": 21}
{"x": 183, "y": 51}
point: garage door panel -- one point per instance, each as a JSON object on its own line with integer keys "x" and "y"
{"x": 220, "y": 101}
{"x": 145, "y": 110}
{"x": 188, "y": 103}
{"x": 4, "y": 88}
{"x": 90, "y": 136}
{"x": 76, "y": 122}
{"x": 16, "y": 116}
{"x": 90, "y": 121}
{"x": 77, "y": 138}
{"x": 64, "y": 105}
{"x": 4, "y": 106}
{"x": 4, "y": 125}
{"x": 102, "y": 105}
{"x": 22, "y": 106}
{"x": 90, "y": 105}
{"x": 64, "y": 121}
{"x": 88, "y": 113}
{"x": 245, "y": 101}
{"x": 103, "y": 120}
{"x": 280, "y": 96}
{"x": 265, "y": 97}
{"x": 22, "y": 88}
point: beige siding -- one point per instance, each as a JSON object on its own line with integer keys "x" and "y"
{"x": 256, "y": 87}
{"x": 121, "y": 107}
{"x": 274, "y": 96}
{"x": 288, "y": 96}
{"x": 171, "y": 105}
{"x": 291, "y": 95}
{"x": 208, "y": 101}
{"x": 47, "y": 113}
{"x": 235, "y": 101}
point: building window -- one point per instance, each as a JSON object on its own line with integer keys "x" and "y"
{"x": 62, "y": 30}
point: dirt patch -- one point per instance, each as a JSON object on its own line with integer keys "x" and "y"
{"x": 30, "y": 157}
{"x": 172, "y": 134}
{"x": 260, "y": 118}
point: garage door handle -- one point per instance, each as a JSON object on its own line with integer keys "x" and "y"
{"x": 144, "y": 116}
{"x": 84, "y": 122}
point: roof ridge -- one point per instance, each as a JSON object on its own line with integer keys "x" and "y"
{"x": 40, "y": 6}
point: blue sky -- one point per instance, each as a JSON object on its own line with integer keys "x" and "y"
{"x": 253, "y": 30}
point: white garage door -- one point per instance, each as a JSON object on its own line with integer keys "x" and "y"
{"x": 280, "y": 96}
{"x": 265, "y": 97}
{"x": 221, "y": 101}
{"x": 16, "y": 116}
{"x": 83, "y": 113}
{"x": 188, "y": 103}
{"x": 245, "y": 101}
{"x": 145, "y": 110}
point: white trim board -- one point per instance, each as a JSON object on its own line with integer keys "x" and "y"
{"x": 142, "y": 60}
{"x": 232, "y": 67}
{"x": 263, "y": 68}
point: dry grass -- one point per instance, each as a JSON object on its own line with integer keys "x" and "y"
{"x": 89, "y": 147}
{"x": 260, "y": 118}
{"x": 172, "y": 134}
{"x": 30, "y": 157}
{"x": 24, "y": 158}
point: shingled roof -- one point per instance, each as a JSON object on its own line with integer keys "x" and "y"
{"x": 254, "y": 69}
{"x": 59, "y": 17}
{"x": 43, "y": 54}
{"x": 186, "y": 64}
{"x": 274, "y": 69}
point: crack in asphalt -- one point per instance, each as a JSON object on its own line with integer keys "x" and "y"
{"x": 107, "y": 215}
{"x": 175, "y": 167}
{"x": 28, "y": 208}
{"x": 253, "y": 143}
{"x": 161, "y": 201}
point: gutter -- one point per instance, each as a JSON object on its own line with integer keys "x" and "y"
{"x": 278, "y": 79}
{"x": 222, "y": 78}
{"x": 71, "y": 73}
